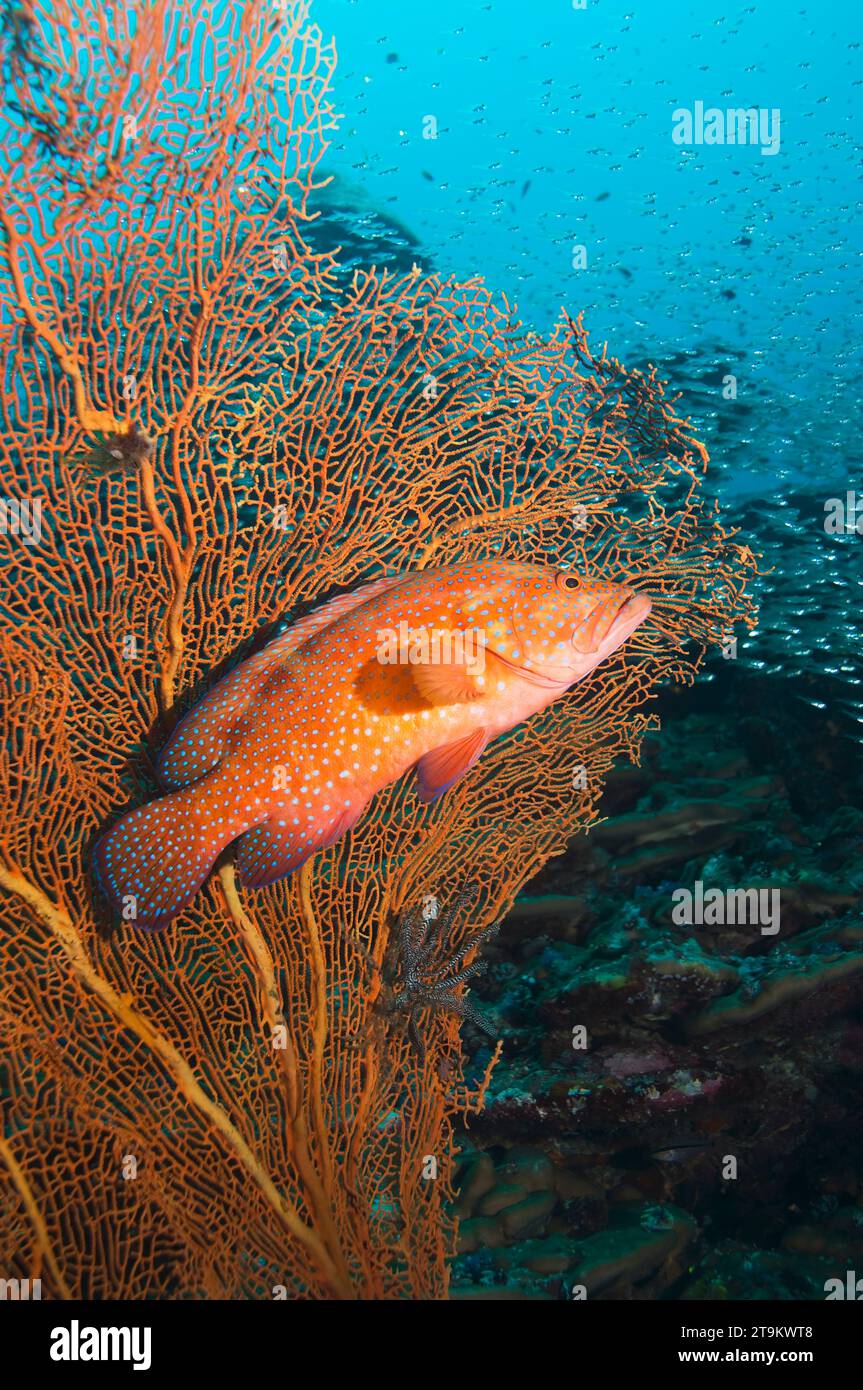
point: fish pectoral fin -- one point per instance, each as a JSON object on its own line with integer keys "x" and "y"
{"x": 275, "y": 848}
{"x": 439, "y": 769}
{"x": 450, "y": 682}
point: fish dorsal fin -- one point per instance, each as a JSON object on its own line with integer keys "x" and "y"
{"x": 438, "y": 769}
{"x": 200, "y": 741}
{"x": 319, "y": 618}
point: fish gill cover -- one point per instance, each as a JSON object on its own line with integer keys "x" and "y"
{"x": 205, "y": 427}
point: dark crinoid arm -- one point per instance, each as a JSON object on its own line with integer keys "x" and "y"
{"x": 428, "y": 970}
{"x": 451, "y": 1003}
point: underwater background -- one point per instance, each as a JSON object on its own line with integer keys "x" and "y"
{"x": 553, "y": 130}
{"x": 675, "y": 1111}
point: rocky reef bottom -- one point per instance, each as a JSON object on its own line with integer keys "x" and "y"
{"x": 677, "y": 1111}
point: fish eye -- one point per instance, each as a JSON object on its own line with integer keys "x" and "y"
{"x": 565, "y": 580}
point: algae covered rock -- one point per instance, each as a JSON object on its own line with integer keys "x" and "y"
{"x": 701, "y": 1064}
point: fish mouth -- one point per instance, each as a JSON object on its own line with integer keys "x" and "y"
{"x": 601, "y": 635}
{"x": 631, "y": 613}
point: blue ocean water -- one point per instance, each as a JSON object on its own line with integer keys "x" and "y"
{"x": 553, "y": 130}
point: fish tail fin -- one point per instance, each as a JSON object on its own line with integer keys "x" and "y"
{"x": 154, "y": 860}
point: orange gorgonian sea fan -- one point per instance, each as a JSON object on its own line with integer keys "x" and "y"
{"x": 204, "y": 426}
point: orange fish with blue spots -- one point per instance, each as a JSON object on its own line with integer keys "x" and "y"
{"x": 416, "y": 671}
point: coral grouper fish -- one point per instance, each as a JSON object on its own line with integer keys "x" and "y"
{"x": 420, "y": 670}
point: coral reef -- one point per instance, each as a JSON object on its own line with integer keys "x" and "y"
{"x": 214, "y": 1111}
{"x": 702, "y": 1042}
